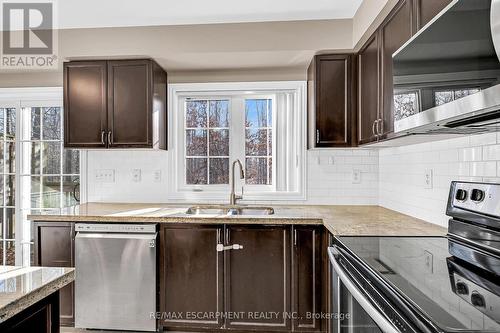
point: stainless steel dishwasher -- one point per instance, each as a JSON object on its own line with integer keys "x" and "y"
{"x": 116, "y": 276}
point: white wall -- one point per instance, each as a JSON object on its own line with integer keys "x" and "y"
{"x": 327, "y": 183}
{"x": 402, "y": 170}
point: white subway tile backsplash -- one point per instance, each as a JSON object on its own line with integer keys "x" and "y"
{"x": 491, "y": 153}
{"x": 471, "y": 154}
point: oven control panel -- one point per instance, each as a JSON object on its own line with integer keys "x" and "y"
{"x": 478, "y": 197}
{"x": 482, "y": 299}
{"x": 115, "y": 228}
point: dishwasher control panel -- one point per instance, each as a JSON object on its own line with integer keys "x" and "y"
{"x": 115, "y": 228}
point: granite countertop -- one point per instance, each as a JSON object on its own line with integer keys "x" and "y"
{"x": 21, "y": 287}
{"x": 339, "y": 220}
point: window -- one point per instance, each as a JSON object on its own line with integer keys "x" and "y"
{"x": 406, "y": 104}
{"x": 37, "y": 174}
{"x": 260, "y": 124}
{"x": 446, "y": 96}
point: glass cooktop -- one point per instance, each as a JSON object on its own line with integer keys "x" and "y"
{"x": 452, "y": 293}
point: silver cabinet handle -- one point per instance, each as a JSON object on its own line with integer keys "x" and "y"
{"x": 384, "y": 324}
{"x": 380, "y": 128}
{"x": 110, "y": 138}
{"x": 373, "y": 127}
{"x": 294, "y": 237}
{"x": 102, "y": 137}
{"x": 221, "y": 247}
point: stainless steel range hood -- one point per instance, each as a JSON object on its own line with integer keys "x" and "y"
{"x": 447, "y": 77}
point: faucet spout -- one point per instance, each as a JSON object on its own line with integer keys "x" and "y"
{"x": 233, "y": 198}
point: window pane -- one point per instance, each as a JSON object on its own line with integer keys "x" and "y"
{"x": 465, "y": 92}
{"x": 71, "y": 161}
{"x": 10, "y": 190}
{"x": 219, "y": 142}
{"x": 219, "y": 171}
{"x": 35, "y": 196}
{"x": 256, "y": 112}
{"x": 2, "y": 123}
{"x": 196, "y": 114}
{"x": 71, "y": 190}
{"x": 10, "y": 223}
{"x": 270, "y": 161}
{"x": 51, "y": 118}
{"x": 2, "y": 203}
{"x": 10, "y": 254}
{"x": 10, "y": 126}
{"x": 51, "y": 157}
{"x": 256, "y": 171}
{"x": 10, "y": 157}
{"x": 196, "y": 142}
{"x": 443, "y": 97}
{"x": 405, "y": 105}
{"x": 32, "y": 163}
{"x": 51, "y": 191}
{"x": 34, "y": 131}
{"x": 196, "y": 171}
{"x": 256, "y": 142}
{"x": 219, "y": 114}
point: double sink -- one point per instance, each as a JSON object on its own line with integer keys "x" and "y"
{"x": 228, "y": 210}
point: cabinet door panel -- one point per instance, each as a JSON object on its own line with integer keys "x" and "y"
{"x": 54, "y": 247}
{"x": 258, "y": 278}
{"x": 368, "y": 90}
{"x": 395, "y": 31}
{"x": 129, "y": 103}
{"x": 333, "y": 121}
{"x": 428, "y": 9}
{"x": 85, "y": 104}
{"x": 306, "y": 273}
{"x": 192, "y": 276}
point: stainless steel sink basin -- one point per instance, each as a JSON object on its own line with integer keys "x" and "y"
{"x": 228, "y": 210}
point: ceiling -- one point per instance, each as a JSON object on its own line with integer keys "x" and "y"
{"x": 122, "y": 13}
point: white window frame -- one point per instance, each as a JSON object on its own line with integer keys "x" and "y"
{"x": 23, "y": 98}
{"x": 289, "y": 153}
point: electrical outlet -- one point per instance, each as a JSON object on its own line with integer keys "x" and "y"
{"x": 429, "y": 261}
{"x": 331, "y": 160}
{"x": 157, "y": 176}
{"x": 428, "y": 179}
{"x": 105, "y": 175}
{"x": 136, "y": 175}
{"x": 356, "y": 176}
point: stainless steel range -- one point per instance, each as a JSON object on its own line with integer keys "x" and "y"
{"x": 424, "y": 284}
{"x": 116, "y": 276}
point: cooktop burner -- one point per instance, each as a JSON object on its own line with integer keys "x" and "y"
{"x": 453, "y": 293}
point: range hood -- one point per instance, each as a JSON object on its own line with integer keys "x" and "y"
{"x": 447, "y": 77}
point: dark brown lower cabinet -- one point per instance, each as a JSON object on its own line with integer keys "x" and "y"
{"x": 270, "y": 285}
{"x": 54, "y": 247}
{"x": 306, "y": 278}
{"x": 41, "y": 317}
{"x": 257, "y": 282}
{"x": 191, "y": 276}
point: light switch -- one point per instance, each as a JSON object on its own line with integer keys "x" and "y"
{"x": 356, "y": 176}
{"x": 157, "y": 176}
{"x": 105, "y": 175}
{"x": 428, "y": 179}
{"x": 136, "y": 175}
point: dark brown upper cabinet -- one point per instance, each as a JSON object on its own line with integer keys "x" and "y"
{"x": 331, "y": 116}
{"x": 115, "y": 104}
{"x": 396, "y": 30}
{"x": 368, "y": 90}
{"x": 426, "y": 10}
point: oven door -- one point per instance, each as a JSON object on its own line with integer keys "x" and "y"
{"x": 353, "y": 310}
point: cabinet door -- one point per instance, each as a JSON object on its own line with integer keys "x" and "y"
{"x": 368, "y": 90}
{"x": 257, "y": 283}
{"x": 85, "y": 104}
{"x": 306, "y": 277}
{"x": 428, "y": 9}
{"x": 333, "y": 118}
{"x": 129, "y": 103}
{"x": 396, "y": 30}
{"x": 191, "y": 276}
{"x": 54, "y": 247}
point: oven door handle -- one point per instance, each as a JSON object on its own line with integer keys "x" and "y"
{"x": 383, "y": 323}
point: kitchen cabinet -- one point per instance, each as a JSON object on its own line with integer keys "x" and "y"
{"x": 307, "y": 273}
{"x": 41, "y": 317}
{"x": 54, "y": 247}
{"x": 396, "y": 30}
{"x": 426, "y": 10}
{"x": 331, "y": 115}
{"x": 115, "y": 104}
{"x": 257, "y": 277}
{"x": 368, "y": 90}
{"x": 191, "y": 276}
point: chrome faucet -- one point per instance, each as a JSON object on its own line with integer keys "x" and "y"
{"x": 233, "y": 198}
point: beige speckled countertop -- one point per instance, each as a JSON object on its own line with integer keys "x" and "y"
{"x": 25, "y": 286}
{"x": 339, "y": 220}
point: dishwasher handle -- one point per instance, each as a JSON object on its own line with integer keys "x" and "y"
{"x": 89, "y": 235}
